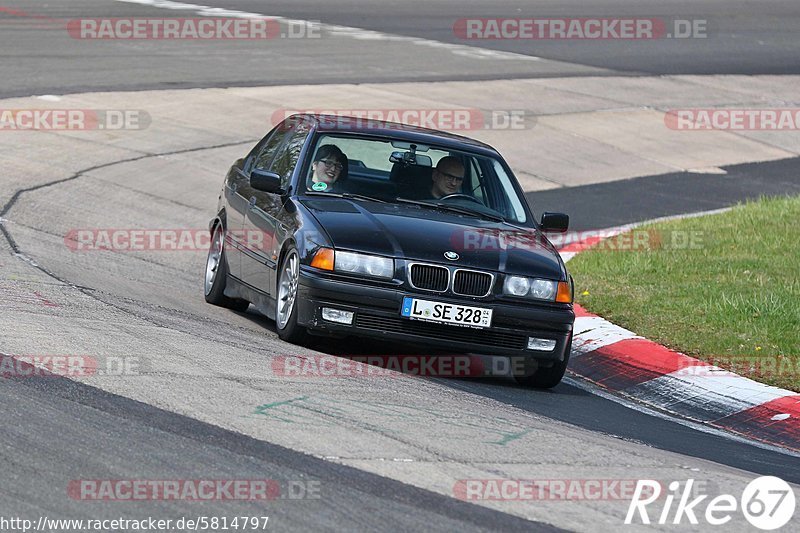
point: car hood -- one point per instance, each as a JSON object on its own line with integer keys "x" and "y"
{"x": 423, "y": 234}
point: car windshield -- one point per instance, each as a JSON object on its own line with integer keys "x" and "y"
{"x": 401, "y": 172}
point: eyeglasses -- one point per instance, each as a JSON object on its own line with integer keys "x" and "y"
{"x": 330, "y": 163}
{"x": 451, "y": 177}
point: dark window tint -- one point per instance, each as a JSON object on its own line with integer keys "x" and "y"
{"x": 267, "y": 154}
{"x": 286, "y": 159}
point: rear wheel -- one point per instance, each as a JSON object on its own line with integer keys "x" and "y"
{"x": 547, "y": 378}
{"x": 286, "y": 302}
{"x": 217, "y": 274}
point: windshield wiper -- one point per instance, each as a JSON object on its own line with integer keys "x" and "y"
{"x": 454, "y": 209}
{"x": 415, "y": 202}
{"x": 468, "y": 211}
{"x": 346, "y": 195}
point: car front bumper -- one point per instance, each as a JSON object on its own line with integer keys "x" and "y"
{"x": 377, "y": 315}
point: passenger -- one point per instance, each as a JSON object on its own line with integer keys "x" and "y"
{"x": 447, "y": 177}
{"x": 329, "y": 169}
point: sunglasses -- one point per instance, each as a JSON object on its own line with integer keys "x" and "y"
{"x": 330, "y": 163}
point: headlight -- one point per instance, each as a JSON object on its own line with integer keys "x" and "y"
{"x": 516, "y": 286}
{"x": 345, "y": 262}
{"x": 541, "y": 289}
{"x": 368, "y": 265}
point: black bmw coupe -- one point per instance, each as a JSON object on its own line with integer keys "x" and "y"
{"x": 345, "y": 226}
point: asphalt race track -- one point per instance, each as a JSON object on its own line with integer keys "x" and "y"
{"x": 742, "y": 38}
{"x": 352, "y": 453}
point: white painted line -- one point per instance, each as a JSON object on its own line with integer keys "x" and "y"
{"x": 594, "y": 332}
{"x": 707, "y": 170}
{"x": 472, "y": 52}
{"x": 637, "y": 405}
{"x": 705, "y": 396}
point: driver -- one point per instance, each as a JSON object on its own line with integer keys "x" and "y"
{"x": 447, "y": 177}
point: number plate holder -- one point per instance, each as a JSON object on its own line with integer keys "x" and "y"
{"x": 446, "y": 313}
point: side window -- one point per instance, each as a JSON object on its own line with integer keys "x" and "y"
{"x": 509, "y": 203}
{"x": 286, "y": 159}
{"x": 264, "y": 158}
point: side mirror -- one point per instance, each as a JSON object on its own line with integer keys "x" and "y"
{"x": 264, "y": 180}
{"x": 554, "y": 222}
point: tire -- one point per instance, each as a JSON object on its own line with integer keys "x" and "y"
{"x": 286, "y": 301}
{"x": 216, "y": 275}
{"x": 547, "y": 378}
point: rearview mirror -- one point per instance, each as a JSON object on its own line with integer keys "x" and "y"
{"x": 554, "y": 222}
{"x": 407, "y": 146}
{"x": 407, "y": 158}
{"x": 410, "y": 158}
{"x": 264, "y": 180}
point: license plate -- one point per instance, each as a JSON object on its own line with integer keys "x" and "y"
{"x": 459, "y": 315}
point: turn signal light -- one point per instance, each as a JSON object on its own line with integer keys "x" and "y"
{"x": 323, "y": 259}
{"x": 564, "y": 294}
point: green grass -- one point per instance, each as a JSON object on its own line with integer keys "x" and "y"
{"x": 730, "y": 296}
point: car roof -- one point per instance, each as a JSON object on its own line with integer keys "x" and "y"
{"x": 394, "y": 130}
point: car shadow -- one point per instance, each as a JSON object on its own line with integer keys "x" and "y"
{"x": 409, "y": 359}
{"x": 392, "y": 356}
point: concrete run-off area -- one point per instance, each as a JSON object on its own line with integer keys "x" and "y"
{"x": 213, "y": 365}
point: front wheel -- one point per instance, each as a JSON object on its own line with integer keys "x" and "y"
{"x": 217, "y": 274}
{"x": 286, "y": 302}
{"x": 547, "y": 378}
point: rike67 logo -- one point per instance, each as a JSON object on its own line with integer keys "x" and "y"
{"x": 767, "y": 502}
